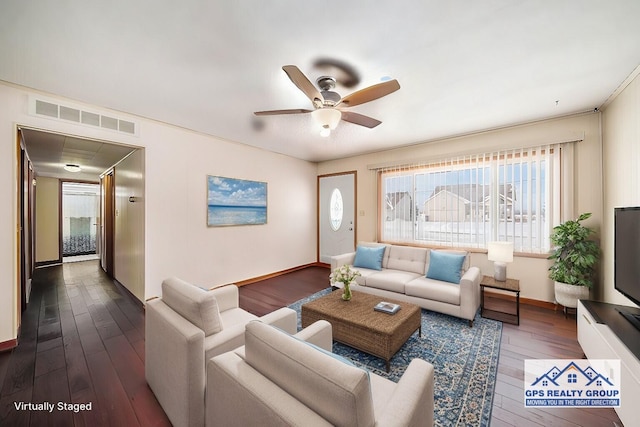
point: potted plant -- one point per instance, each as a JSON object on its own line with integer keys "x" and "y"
{"x": 574, "y": 261}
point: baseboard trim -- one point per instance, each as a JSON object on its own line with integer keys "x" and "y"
{"x": 8, "y": 345}
{"x": 537, "y": 303}
{"x": 41, "y": 264}
{"x": 278, "y": 273}
{"x": 124, "y": 289}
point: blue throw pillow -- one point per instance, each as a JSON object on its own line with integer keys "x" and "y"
{"x": 369, "y": 257}
{"x": 445, "y": 266}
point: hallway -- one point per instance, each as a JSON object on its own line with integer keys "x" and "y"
{"x": 82, "y": 341}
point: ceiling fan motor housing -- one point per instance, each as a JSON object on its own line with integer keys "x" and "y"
{"x": 326, "y": 83}
{"x": 330, "y": 98}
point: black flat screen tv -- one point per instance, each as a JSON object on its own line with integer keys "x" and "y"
{"x": 627, "y": 257}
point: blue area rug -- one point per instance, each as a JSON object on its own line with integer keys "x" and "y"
{"x": 465, "y": 361}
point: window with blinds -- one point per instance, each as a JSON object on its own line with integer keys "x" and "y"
{"x": 467, "y": 201}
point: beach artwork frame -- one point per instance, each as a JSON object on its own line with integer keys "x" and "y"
{"x": 232, "y": 202}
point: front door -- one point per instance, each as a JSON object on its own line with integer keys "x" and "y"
{"x": 336, "y": 216}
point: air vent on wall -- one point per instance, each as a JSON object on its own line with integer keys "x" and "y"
{"x": 39, "y": 107}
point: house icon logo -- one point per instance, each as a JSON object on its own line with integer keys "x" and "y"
{"x": 572, "y": 383}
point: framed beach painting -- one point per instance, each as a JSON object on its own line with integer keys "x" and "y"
{"x": 233, "y": 201}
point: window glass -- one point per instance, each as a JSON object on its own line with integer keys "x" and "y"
{"x": 336, "y": 209}
{"x": 469, "y": 201}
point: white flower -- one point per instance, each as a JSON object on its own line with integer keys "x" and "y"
{"x": 344, "y": 274}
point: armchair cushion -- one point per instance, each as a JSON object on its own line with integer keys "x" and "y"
{"x": 338, "y": 392}
{"x": 198, "y": 306}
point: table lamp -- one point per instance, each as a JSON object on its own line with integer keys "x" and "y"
{"x": 500, "y": 253}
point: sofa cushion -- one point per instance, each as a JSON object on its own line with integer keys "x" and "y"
{"x": 338, "y": 392}
{"x": 368, "y": 257}
{"x": 445, "y": 266}
{"x": 364, "y": 273}
{"x": 408, "y": 258}
{"x": 434, "y": 290}
{"x": 198, "y": 306}
{"x": 391, "y": 280}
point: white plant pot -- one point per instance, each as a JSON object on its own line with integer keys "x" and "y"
{"x": 568, "y": 295}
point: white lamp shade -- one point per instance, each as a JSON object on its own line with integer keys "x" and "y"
{"x": 500, "y": 251}
{"x": 327, "y": 117}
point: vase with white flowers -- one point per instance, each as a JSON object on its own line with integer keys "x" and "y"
{"x": 345, "y": 275}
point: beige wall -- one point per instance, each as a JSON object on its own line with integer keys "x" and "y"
{"x": 47, "y": 219}
{"x": 532, "y": 272}
{"x": 129, "y": 224}
{"x": 621, "y": 124}
{"x": 177, "y": 240}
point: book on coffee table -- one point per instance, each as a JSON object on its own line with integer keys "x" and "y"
{"x": 387, "y": 307}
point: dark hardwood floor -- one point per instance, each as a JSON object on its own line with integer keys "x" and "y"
{"x": 270, "y": 294}
{"x": 82, "y": 341}
{"x": 542, "y": 334}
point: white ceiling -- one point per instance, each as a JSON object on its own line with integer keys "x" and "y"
{"x": 463, "y": 66}
{"x": 50, "y": 152}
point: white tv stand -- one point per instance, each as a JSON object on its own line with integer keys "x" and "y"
{"x": 603, "y": 333}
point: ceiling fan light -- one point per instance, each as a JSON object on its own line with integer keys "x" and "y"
{"x": 327, "y": 117}
{"x": 325, "y": 132}
{"x": 72, "y": 168}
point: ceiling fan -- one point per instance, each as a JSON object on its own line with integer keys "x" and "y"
{"x": 328, "y": 105}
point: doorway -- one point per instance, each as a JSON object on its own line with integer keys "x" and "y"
{"x": 80, "y": 237}
{"x": 336, "y": 215}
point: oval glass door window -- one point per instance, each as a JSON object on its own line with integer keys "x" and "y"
{"x": 336, "y": 209}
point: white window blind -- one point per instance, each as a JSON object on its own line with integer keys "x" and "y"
{"x": 467, "y": 201}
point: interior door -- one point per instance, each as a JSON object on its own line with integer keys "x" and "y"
{"x": 337, "y": 215}
{"x": 107, "y": 221}
{"x": 23, "y": 253}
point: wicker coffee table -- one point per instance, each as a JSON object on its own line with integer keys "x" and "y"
{"x": 356, "y": 324}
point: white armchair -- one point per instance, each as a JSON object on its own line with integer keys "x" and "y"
{"x": 184, "y": 329}
{"x": 278, "y": 380}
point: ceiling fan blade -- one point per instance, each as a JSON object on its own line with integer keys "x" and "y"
{"x": 360, "y": 119}
{"x": 370, "y": 93}
{"x": 274, "y": 112}
{"x": 303, "y": 83}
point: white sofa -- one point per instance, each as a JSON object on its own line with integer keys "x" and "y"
{"x": 184, "y": 329}
{"x": 403, "y": 276}
{"x": 279, "y": 380}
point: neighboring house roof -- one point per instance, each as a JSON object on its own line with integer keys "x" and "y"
{"x": 474, "y": 192}
{"x": 501, "y": 197}
{"x": 443, "y": 192}
{"x": 392, "y": 199}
